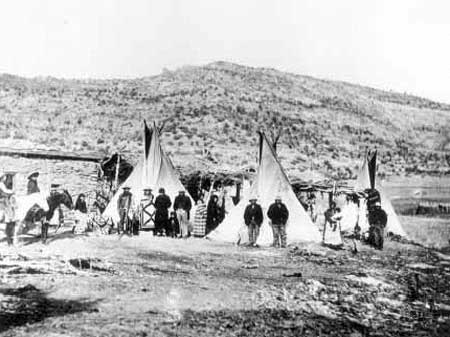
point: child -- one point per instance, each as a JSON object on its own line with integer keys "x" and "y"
{"x": 173, "y": 226}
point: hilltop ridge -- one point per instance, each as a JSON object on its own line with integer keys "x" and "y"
{"x": 220, "y": 106}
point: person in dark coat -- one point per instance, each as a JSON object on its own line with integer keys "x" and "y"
{"x": 182, "y": 201}
{"x": 213, "y": 214}
{"x": 278, "y": 215}
{"x": 377, "y": 222}
{"x": 162, "y": 205}
{"x": 32, "y": 185}
{"x": 373, "y": 197}
{"x": 182, "y": 206}
{"x": 253, "y": 218}
{"x": 173, "y": 226}
{"x": 124, "y": 205}
{"x": 80, "y": 204}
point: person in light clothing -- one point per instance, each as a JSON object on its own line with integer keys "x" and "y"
{"x": 124, "y": 208}
{"x": 200, "y": 219}
{"x": 8, "y": 205}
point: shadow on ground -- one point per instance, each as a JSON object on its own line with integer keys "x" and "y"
{"x": 28, "y": 239}
{"x": 165, "y": 257}
{"x": 22, "y": 306}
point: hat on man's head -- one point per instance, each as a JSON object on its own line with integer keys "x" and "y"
{"x": 278, "y": 197}
{"x": 253, "y": 197}
{"x": 126, "y": 187}
{"x": 148, "y": 189}
{"x": 55, "y": 185}
{"x": 182, "y": 191}
{"x": 33, "y": 175}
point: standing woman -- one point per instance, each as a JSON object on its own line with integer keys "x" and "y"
{"x": 32, "y": 185}
{"x": 81, "y": 213}
{"x": 8, "y": 204}
{"x": 80, "y": 204}
{"x": 200, "y": 219}
{"x": 213, "y": 214}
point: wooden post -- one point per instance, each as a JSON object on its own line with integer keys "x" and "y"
{"x": 238, "y": 192}
{"x": 330, "y": 199}
{"x": 116, "y": 179}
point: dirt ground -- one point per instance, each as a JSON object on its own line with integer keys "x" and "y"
{"x": 152, "y": 286}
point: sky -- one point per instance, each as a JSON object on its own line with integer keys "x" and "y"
{"x": 400, "y": 45}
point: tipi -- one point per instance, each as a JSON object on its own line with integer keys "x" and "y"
{"x": 367, "y": 179}
{"x": 155, "y": 170}
{"x": 270, "y": 181}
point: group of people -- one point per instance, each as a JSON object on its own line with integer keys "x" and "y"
{"x": 375, "y": 215}
{"x": 8, "y": 191}
{"x": 278, "y": 215}
{"x": 166, "y": 219}
{"x": 153, "y": 213}
{"x": 174, "y": 220}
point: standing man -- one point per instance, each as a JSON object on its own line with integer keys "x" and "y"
{"x": 253, "y": 217}
{"x": 146, "y": 210}
{"x": 377, "y": 222}
{"x": 8, "y": 204}
{"x": 278, "y": 215}
{"x": 32, "y": 185}
{"x": 55, "y": 188}
{"x": 182, "y": 206}
{"x": 124, "y": 204}
{"x": 162, "y": 205}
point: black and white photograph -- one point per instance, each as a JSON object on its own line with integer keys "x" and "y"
{"x": 242, "y": 168}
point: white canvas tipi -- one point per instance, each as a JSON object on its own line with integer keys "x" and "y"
{"x": 270, "y": 182}
{"x": 363, "y": 182}
{"x": 155, "y": 170}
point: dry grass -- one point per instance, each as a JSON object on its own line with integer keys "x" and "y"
{"x": 430, "y": 232}
{"x": 224, "y": 103}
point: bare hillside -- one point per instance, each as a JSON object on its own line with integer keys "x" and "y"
{"x": 220, "y": 107}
